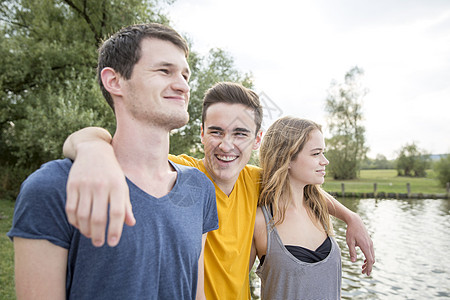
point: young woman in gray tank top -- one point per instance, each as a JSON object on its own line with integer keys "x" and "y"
{"x": 299, "y": 258}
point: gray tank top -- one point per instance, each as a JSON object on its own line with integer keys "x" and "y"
{"x": 285, "y": 277}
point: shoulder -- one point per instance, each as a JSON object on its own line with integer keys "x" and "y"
{"x": 250, "y": 178}
{"x": 49, "y": 174}
{"x": 185, "y": 160}
{"x": 259, "y": 219}
{"x": 260, "y": 233}
{"x": 192, "y": 176}
{"x": 252, "y": 172}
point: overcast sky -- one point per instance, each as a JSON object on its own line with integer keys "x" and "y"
{"x": 295, "y": 48}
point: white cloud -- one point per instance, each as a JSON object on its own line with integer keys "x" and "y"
{"x": 295, "y": 48}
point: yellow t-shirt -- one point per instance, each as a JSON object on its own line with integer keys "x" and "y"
{"x": 227, "y": 249}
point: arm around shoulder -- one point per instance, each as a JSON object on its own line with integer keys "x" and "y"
{"x": 356, "y": 235}
{"x": 88, "y": 134}
{"x": 96, "y": 182}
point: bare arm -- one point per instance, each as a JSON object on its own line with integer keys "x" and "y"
{"x": 252, "y": 256}
{"x": 40, "y": 269}
{"x": 96, "y": 181}
{"x": 356, "y": 236}
{"x": 201, "y": 272}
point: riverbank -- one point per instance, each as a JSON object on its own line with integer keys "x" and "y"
{"x": 386, "y": 184}
{"x": 383, "y": 195}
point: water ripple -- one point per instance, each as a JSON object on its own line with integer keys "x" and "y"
{"x": 411, "y": 240}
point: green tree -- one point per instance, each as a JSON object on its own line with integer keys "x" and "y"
{"x": 442, "y": 169}
{"x": 346, "y": 148}
{"x": 412, "y": 161}
{"x": 48, "y": 85}
{"x": 217, "y": 66}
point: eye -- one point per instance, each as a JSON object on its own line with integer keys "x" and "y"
{"x": 165, "y": 71}
{"x": 241, "y": 134}
{"x": 215, "y": 132}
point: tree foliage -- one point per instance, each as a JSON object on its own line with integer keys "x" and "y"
{"x": 346, "y": 148}
{"x": 48, "y": 86}
{"x": 412, "y": 161}
{"x": 442, "y": 169}
{"x": 48, "y": 83}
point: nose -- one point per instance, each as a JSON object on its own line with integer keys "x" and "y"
{"x": 226, "y": 145}
{"x": 181, "y": 84}
{"x": 324, "y": 161}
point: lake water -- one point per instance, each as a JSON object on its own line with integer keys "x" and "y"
{"x": 412, "y": 243}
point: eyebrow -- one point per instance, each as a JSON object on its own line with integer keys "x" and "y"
{"x": 237, "y": 129}
{"x": 317, "y": 149}
{"x": 241, "y": 129}
{"x": 171, "y": 65}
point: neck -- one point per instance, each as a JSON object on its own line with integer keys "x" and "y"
{"x": 226, "y": 186}
{"x": 297, "y": 197}
{"x": 141, "y": 149}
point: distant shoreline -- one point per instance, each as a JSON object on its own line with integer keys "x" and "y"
{"x": 383, "y": 195}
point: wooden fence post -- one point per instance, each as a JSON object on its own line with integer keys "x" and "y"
{"x": 343, "y": 189}
{"x": 375, "y": 189}
{"x": 448, "y": 188}
{"x": 408, "y": 189}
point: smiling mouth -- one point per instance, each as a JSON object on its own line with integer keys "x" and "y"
{"x": 226, "y": 158}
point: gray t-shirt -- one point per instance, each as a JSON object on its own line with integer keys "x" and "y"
{"x": 155, "y": 259}
{"x": 283, "y": 276}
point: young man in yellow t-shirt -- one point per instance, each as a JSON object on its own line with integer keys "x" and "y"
{"x": 231, "y": 121}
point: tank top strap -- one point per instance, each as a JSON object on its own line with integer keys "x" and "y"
{"x": 267, "y": 214}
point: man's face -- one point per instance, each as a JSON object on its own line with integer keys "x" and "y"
{"x": 228, "y": 137}
{"x": 158, "y": 92}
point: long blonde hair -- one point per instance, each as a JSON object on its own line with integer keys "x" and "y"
{"x": 281, "y": 144}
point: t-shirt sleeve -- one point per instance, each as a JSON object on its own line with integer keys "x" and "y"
{"x": 210, "y": 218}
{"x": 39, "y": 211}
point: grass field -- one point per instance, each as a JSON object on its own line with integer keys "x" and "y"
{"x": 387, "y": 181}
{"x": 6, "y": 252}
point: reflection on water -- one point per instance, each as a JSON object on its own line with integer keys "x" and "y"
{"x": 411, "y": 240}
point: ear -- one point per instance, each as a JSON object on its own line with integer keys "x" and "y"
{"x": 202, "y": 134}
{"x": 258, "y": 140}
{"x": 111, "y": 81}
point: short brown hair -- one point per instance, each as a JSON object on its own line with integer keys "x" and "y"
{"x": 233, "y": 93}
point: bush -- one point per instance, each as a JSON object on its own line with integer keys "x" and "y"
{"x": 10, "y": 180}
{"x": 412, "y": 161}
{"x": 442, "y": 169}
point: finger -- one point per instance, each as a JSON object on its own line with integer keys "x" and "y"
{"x": 129, "y": 216}
{"x": 99, "y": 217}
{"x": 117, "y": 208}
{"x": 83, "y": 214}
{"x": 352, "y": 250}
{"x": 369, "y": 258}
{"x": 72, "y": 204}
{"x": 364, "y": 268}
